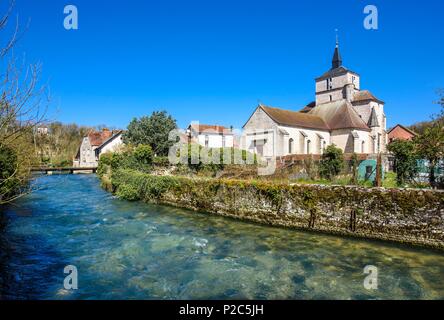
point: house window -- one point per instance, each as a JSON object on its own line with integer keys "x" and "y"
{"x": 308, "y": 146}
{"x": 331, "y": 98}
{"x": 207, "y": 138}
{"x": 290, "y": 146}
{"x": 363, "y": 147}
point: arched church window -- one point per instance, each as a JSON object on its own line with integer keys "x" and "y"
{"x": 363, "y": 147}
{"x": 290, "y": 146}
{"x": 308, "y": 146}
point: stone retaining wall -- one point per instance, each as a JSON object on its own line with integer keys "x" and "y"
{"x": 407, "y": 216}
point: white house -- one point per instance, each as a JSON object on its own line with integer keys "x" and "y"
{"x": 95, "y": 144}
{"x": 342, "y": 114}
{"x": 210, "y": 136}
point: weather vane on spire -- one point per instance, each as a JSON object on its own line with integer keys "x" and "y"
{"x": 337, "y": 38}
{"x": 337, "y": 60}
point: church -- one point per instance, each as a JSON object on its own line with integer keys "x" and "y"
{"x": 342, "y": 114}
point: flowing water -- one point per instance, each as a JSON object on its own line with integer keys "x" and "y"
{"x": 131, "y": 250}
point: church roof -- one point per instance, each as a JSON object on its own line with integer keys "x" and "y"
{"x": 365, "y": 95}
{"x": 339, "y": 115}
{"x": 336, "y": 72}
{"x": 308, "y": 107}
{"x": 295, "y": 119}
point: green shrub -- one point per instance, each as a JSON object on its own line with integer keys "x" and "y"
{"x": 64, "y": 163}
{"x": 161, "y": 161}
{"x": 331, "y": 163}
{"x": 10, "y": 184}
{"x": 128, "y": 192}
{"x": 144, "y": 154}
{"x": 133, "y": 185}
{"x": 223, "y": 157}
{"x": 116, "y": 161}
{"x": 106, "y": 158}
{"x": 406, "y": 166}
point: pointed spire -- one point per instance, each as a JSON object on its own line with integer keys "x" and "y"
{"x": 337, "y": 60}
{"x": 373, "y": 121}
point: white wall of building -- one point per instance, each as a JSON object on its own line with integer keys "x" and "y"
{"x": 345, "y": 140}
{"x": 314, "y": 142}
{"x": 276, "y": 142}
{"x": 113, "y": 145}
{"x": 215, "y": 140}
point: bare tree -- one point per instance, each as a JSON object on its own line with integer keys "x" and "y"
{"x": 21, "y": 112}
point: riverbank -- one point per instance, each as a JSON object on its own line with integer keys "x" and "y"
{"x": 414, "y": 217}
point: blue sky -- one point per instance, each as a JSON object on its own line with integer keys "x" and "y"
{"x": 213, "y": 61}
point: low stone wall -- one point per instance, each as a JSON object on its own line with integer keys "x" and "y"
{"x": 407, "y": 216}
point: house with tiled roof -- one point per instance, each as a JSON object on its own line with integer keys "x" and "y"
{"x": 210, "y": 136}
{"x": 342, "y": 114}
{"x": 96, "y": 143}
{"x": 399, "y": 132}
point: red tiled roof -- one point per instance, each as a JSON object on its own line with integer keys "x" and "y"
{"x": 404, "y": 128}
{"x": 97, "y": 138}
{"x": 209, "y": 128}
{"x": 399, "y": 132}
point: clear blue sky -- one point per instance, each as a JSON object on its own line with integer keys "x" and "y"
{"x": 213, "y": 60}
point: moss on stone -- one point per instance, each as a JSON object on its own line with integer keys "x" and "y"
{"x": 412, "y": 216}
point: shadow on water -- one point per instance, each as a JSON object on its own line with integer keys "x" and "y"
{"x": 132, "y": 250}
{"x": 28, "y": 265}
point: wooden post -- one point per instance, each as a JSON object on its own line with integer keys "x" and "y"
{"x": 379, "y": 171}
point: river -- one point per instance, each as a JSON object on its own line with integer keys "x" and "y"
{"x": 133, "y": 250}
